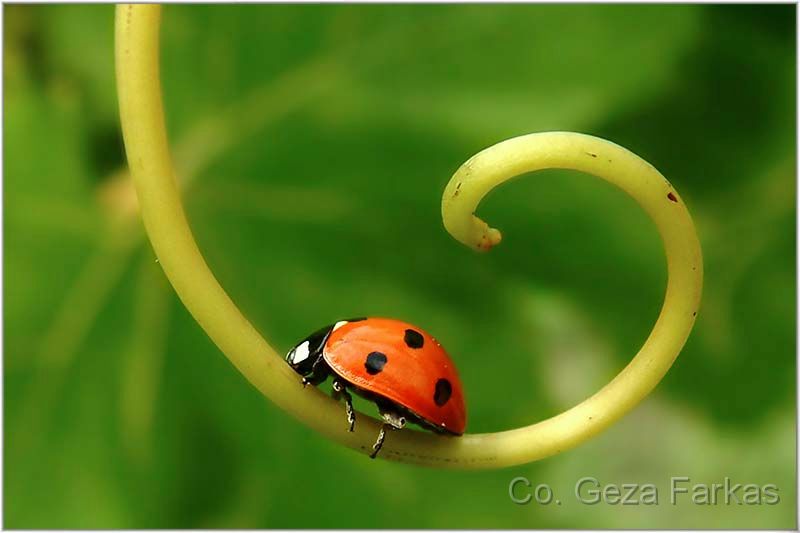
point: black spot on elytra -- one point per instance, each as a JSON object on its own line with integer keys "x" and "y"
{"x": 413, "y": 339}
{"x": 672, "y": 197}
{"x": 375, "y": 363}
{"x": 442, "y": 392}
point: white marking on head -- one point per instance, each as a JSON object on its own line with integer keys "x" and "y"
{"x": 338, "y": 325}
{"x": 300, "y": 353}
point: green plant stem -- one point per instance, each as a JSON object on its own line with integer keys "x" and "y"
{"x": 141, "y": 110}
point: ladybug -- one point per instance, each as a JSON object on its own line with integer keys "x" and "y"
{"x": 401, "y": 368}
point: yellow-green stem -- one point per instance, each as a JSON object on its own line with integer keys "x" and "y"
{"x": 141, "y": 110}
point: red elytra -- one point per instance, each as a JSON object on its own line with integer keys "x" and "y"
{"x": 396, "y": 364}
{"x": 422, "y": 379}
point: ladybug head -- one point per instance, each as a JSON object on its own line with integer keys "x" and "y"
{"x": 303, "y": 356}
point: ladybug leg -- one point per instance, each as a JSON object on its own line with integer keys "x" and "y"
{"x": 379, "y": 443}
{"x": 391, "y": 420}
{"x": 340, "y": 390}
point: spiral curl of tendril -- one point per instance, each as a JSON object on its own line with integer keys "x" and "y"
{"x": 142, "y": 117}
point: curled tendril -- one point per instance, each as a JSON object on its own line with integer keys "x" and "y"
{"x": 142, "y": 117}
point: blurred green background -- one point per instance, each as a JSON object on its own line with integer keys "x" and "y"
{"x": 313, "y": 144}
